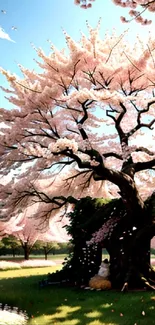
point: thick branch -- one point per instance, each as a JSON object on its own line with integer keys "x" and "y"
{"x": 112, "y": 154}
{"x": 144, "y": 165}
{"x": 149, "y": 152}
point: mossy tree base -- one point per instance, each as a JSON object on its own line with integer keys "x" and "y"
{"x": 128, "y": 245}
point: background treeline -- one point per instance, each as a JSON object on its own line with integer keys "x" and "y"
{"x": 12, "y": 246}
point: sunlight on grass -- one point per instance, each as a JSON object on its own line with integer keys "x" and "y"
{"x": 97, "y": 322}
{"x": 106, "y": 305}
{"x": 56, "y": 319}
{"x": 93, "y": 314}
{"x": 27, "y": 272}
{"x": 56, "y": 305}
{"x": 65, "y": 312}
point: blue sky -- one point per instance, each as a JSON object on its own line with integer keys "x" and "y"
{"x": 39, "y": 20}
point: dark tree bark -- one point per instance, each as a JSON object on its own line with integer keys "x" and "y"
{"x": 45, "y": 253}
{"x": 129, "y": 249}
{"x": 127, "y": 240}
{"x": 26, "y": 249}
{"x": 13, "y": 252}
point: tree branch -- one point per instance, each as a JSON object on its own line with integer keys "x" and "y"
{"x": 144, "y": 165}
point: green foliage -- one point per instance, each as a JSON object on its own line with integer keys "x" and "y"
{"x": 83, "y": 262}
{"x": 1, "y": 244}
{"x": 87, "y": 217}
{"x": 11, "y": 242}
{"x": 10, "y": 245}
{"x": 49, "y": 246}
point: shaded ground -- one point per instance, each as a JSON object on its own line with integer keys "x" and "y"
{"x": 70, "y": 306}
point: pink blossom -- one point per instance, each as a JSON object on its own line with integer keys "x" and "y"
{"x": 144, "y": 5}
{"x": 104, "y": 232}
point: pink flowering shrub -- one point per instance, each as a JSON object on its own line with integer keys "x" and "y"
{"x": 105, "y": 231}
{"x": 36, "y": 263}
{"x": 6, "y": 265}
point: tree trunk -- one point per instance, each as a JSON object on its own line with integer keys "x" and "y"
{"x": 26, "y": 251}
{"x": 13, "y": 252}
{"x": 129, "y": 250}
{"x": 45, "y": 252}
{"x": 125, "y": 230}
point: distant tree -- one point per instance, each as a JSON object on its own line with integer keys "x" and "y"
{"x": 11, "y": 243}
{"x": 143, "y": 5}
{"x": 1, "y": 244}
{"x": 27, "y": 236}
{"x": 47, "y": 247}
{"x": 32, "y": 232}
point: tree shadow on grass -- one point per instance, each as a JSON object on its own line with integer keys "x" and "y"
{"x": 64, "y": 306}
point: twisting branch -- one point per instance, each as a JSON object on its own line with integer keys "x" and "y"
{"x": 149, "y": 152}
{"x": 85, "y": 184}
{"x": 139, "y": 124}
{"x": 112, "y": 154}
{"x": 144, "y": 165}
{"x": 122, "y": 136}
{"x": 85, "y": 105}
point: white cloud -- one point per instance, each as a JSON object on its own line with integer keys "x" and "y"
{"x": 4, "y": 35}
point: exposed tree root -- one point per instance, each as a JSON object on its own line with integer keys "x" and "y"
{"x": 125, "y": 287}
{"x": 147, "y": 283}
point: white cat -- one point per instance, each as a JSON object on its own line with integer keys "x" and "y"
{"x": 104, "y": 269}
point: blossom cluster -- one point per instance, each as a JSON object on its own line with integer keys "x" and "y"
{"x": 64, "y": 144}
{"x": 132, "y": 4}
{"x": 105, "y": 231}
{"x": 85, "y": 4}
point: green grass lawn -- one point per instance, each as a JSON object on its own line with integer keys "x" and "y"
{"x": 64, "y": 306}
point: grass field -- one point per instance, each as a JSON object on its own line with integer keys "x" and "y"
{"x": 65, "y": 306}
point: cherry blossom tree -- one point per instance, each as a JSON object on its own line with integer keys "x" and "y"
{"x": 27, "y": 236}
{"x": 31, "y": 232}
{"x": 47, "y": 247}
{"x": 133, "y": 5}
{"x": 87, "y": 119}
